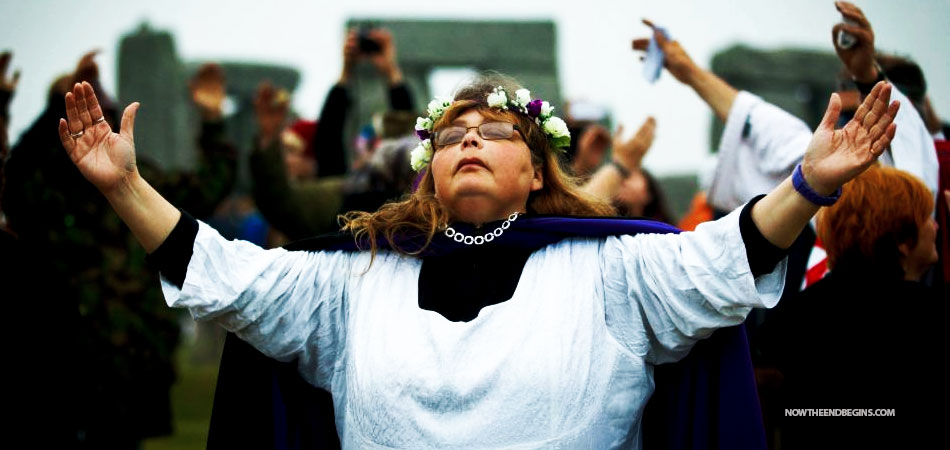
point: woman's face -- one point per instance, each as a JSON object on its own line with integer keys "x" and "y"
{"x": 634, "y": 193}
{"x": 480, "y": 180}
{"x": 919, "y": 258}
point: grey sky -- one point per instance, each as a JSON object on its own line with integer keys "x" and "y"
{"x": 596, "y": 63}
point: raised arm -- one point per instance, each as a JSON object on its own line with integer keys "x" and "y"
{"x": 627, "y": 158}
{"x": 913, "y": 149}
{"x": 718, "y": 94}
{"x": 107, "y": 160}
{"x": 832, "y": 159}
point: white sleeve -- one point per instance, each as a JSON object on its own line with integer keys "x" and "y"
{"x": 663, "y": 293}
{"x": 288, "y": 305}
{"x": 912, "y": 149}
{"x": 759, "y": 148}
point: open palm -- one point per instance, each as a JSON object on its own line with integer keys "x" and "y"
{"x": 836, "y": 156}
{"x": 105, "y": 158}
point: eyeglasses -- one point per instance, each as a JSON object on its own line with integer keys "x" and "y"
{"x": 491, "y": 131}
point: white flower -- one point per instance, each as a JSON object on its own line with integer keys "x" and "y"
{"x": 421, "y": 155}
{"x": 437, "y": 107}
{"x": 546, "y": 109}
{"x": 555, "y": 127}
{"x": 523, "y": 97}
{"x": 498, "y": 99}
{"x": 424, "y": 123}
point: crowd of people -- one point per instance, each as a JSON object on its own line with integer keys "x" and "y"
{"x": 486, "y": 274}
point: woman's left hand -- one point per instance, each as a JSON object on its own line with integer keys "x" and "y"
{"x": 834, "y": 156}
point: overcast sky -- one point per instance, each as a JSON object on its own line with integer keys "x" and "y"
{"x": 596, "y": 63}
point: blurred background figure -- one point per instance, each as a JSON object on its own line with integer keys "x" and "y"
{"x": 108, "y": 320}
{"x": 640, "y": 194}
{"x": 300, "y": 202}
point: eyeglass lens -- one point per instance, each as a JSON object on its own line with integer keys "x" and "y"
{"x": 488, "y": 130}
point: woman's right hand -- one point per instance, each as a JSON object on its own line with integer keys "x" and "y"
{"x": 105, "y": 158}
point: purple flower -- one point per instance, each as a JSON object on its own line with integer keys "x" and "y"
{"x": 534, "y": 108}
{"x": 423, "y": 134}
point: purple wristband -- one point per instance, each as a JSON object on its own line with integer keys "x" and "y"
{"x": 798, "y": 180}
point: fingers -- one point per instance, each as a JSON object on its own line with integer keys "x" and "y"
{"x": 648, "y": 23}
{"x": 92, "y": 103}
{"x": 850, "y": 11}
{"x": 868, "y": 102}
{"x": 618, "y": 134}
{"x": 878, "y": 128}
{"x": 68, "y": 142}
{"x": 88, "y": 56}
{"x": 660, "y": 38}
{"x": 878, "y": 147}
{"x": 81, "y": 107}
{"x": 5, "y": 58}
{"x": 128, "y": 120}
{"x": 876, "y": 104}
{"x": 72, "y": 114}
{"x": 209, "y": 72}
{"x": 87, "y": 69}
{"x": 380, "y": 35}
{"x": 831, "y": 113}
{"x": 649, "y": 125}
{"x": 862, "y": 34}
{"x": 878, "y": 108}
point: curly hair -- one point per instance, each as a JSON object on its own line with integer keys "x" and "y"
{"x": 421, "y": 214}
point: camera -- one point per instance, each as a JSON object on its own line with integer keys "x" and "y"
{"x": 367, "y": 45}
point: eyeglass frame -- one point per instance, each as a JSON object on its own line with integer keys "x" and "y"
{"x": 514, "y": 127}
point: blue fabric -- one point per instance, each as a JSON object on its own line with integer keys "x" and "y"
{"x": 706, "y": 401}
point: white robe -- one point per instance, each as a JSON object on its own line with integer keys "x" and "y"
{"x": 567, "y": 362}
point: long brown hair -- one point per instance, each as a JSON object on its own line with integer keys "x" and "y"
{"x": 421, "y": 214}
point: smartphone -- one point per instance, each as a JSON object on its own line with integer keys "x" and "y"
{"x": 846, "y": 40}
{"x": 653, "y": 62}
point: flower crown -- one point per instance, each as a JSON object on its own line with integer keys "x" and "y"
{"x": 539, "y": 110}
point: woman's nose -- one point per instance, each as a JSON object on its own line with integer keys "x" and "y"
{"x": 471, "y": 139}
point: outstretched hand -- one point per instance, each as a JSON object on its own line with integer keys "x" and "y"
{"x": 591, "y": 147}
{"x": 834, "y": 156}
{"x": 630, "y": 152}
{"x": 86, "y": 68}
{"x": 859, "y": 58}
{"x": 7, "y": 84}
{"x": 271, "y": 106}
{"x": 208, "y": 91}
{"x": 105, "y": 158}
{"x": 677, "y": 61}
{"x": 385, "y": 59}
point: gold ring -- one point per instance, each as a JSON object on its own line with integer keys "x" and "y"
{"x": 99, "y": 120}
{"x": 77, "y": 134}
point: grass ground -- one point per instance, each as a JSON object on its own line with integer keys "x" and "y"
{"x": 192, "y": 396}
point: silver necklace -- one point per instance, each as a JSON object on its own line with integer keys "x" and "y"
{"x": 479, "y": 240}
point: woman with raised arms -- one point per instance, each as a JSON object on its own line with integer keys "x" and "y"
{"x": 481, "y": 310}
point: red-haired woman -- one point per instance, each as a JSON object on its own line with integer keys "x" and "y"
{"x": 862, "y": 336}
{"x": 452, "y": 329}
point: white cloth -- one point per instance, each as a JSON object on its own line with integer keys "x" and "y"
{"x": 567, "y": 362}
{"x": 776, "y": 142}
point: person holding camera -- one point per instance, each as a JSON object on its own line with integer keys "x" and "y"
{"x": 309, "y": 206}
